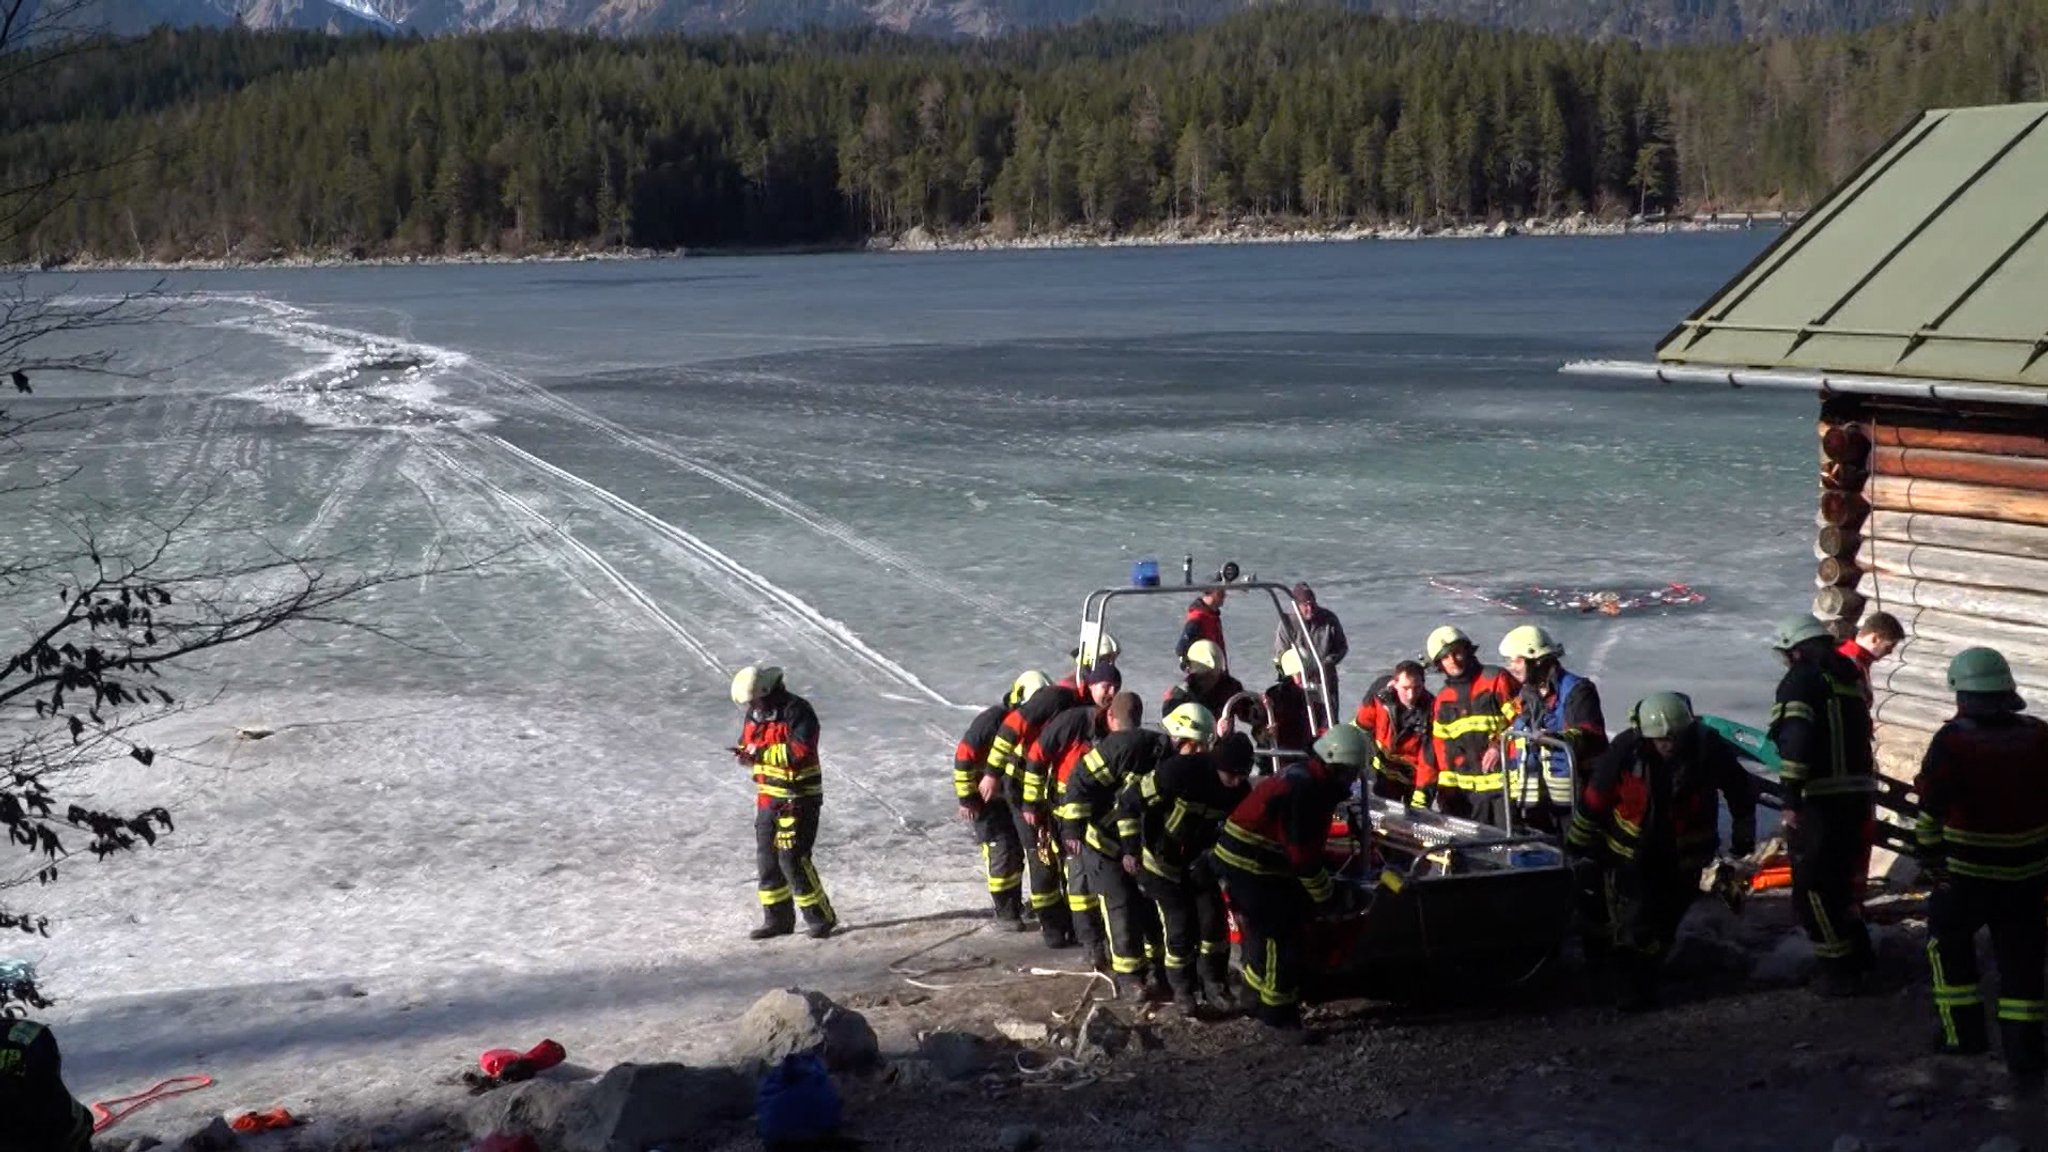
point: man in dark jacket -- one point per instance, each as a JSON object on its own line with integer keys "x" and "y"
{"x": 1325, "y": 636}
{"x": 37, "y": 1112}
{"x": 1821, "y": 727}
{"x": 1204, "y": 622}
{"x": 1649, "y": 824}
{"x": 1983, "y": 835}
{"x": 1270, "y": 859}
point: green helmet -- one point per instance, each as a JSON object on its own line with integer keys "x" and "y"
{"x": 1346, "y": 745}
{"x": 1796, "y": 630}
{"x": 1980, "y": 670}
{"x": 1661, "y": 715}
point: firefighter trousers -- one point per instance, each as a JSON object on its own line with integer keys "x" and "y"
{"x": 1043, "y": 869}
{"x": 1124, "y": 912}
{"x": 1272, "y": 919}
{"x": 1002, "y": 858}
{"x": 1195, "y": 929}
{"x": 2012, "y": 910}
{"x": 784, "y": 833}
{"x": 1830, "y": 851}
{"x": 1645, "y": 900}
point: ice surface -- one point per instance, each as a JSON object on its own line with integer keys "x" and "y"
{"x": 896, "y": 477}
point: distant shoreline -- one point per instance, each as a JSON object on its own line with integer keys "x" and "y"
{"x": 918, "y": 239}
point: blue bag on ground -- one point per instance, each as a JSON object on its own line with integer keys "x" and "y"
{"x": 797, "y": 1102}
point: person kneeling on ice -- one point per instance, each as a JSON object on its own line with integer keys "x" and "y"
{"x": 1555, "y": 703}
{"x": 1167, "y": 823}
{"x": 37, "y": 1112}
{"x": 1648, "y": 824}
{"x": 1270, "y": 859}
{"x": 779, "y": 741}
{"x": 1087, "y": 817}
{"x": 979, "y": 792}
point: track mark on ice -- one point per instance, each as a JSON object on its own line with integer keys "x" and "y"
{"x": 590, "y": 556}
{"x": 787, "y": 505}
{"x": 825, "y": 626}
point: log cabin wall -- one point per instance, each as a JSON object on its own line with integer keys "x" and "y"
{"x": 1940, "y": 517}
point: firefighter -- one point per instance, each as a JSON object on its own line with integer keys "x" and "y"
{"x": 1204, "y": 622}
{"x": 1287, "y": 724}
{"x": 1821, "y": 727}
{"x": 1396, "y": 714}
{"x": 1648, "y": 825}
{"x": 40, "y": 1113}
{"x": 1555, "y": 703}
{"x": 1208, "y": 683}
{"x": 981, "y": 799}
{"x": 779, "y": 742}
{"x": 1325, "y": 636}
{"x": 1167, "y": 822}
{"x": 1983, "y": 835}
{"x": 1087, "y": 819}
{"x": 1476, "y": 704}
{"x": 1051, "y": 757}
{"x": 1270, "y": 858}
{"x": 1005, "y": 763}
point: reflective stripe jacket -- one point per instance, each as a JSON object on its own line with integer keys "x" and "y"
{"x": 1984, "y": 798}
{"x": 970, "y": 756}
{"x": 1170, "y": 817}
{"x": 1203, "y": 623}
{"x": 1642, "y": 807}
{"x": 1821, "y": 726}
{"x": 1280, "y": 828}
{"x": 37, "y": 1112}
{"x": 1571, "y": 713}
{"x": 780, "y": 737}
{"x": 1400, "y": 735}
{"x": 1021, "y": 725}
{"x": 1058, "y": 747}
{"x": 1469, "y": 713}
{"x": 1088, "y": 800}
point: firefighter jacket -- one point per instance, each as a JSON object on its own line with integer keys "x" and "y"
{"x": 1088, "y": 799}
{"x": 1287, "y": 721}
{"x": 1059, "y": 746}
{"x": 1210, "y": 688}
{"x": 970, "y": 755}
{"x": 1821, "y": 727}
{"x": 1203, "y": 623}
{"x": 1021, "y": 725}
{"x": 780, "y": 739}
{"x": 39, "y": 1113}
{"x": 1640, "y": 807}
{"x": 1570, "y": 712}
{"x": 1467, "y": 714}
{"x": 1169, "y": 818}
{"x": 1863, "y": 658}
{"x": 1400, "y": 734}
{"x": 1984, "y": 798}
{"x": 1280, "y": 828}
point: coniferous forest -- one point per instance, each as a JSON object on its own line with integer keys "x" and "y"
{"x": 232, "y": 143}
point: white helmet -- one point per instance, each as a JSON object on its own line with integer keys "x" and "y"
{"x": 1441, "y": 641}
{"x": 1530, "y": 642}
{"x": 755, "y": 681}
{"x": 1290, "y": 662}
{"x": 1190, "y": 722}
{"x": 1206, "y": 654}
{"x": 1025, "y": 686}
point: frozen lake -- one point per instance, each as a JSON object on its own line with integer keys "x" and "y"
{"x": 896, "y": 476}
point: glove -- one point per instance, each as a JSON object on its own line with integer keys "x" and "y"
{"x": 785, "y": 831}
{"x": 1422, "y": 797}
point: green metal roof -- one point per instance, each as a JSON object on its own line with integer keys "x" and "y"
{"x": 1930, "y": 261}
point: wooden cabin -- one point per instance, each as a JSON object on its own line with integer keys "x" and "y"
{"x": 1913, "y": 302}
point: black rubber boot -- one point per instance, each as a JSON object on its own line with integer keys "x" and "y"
{"x": 2026, "y": 1050}
{"x": 777, "y": 920}
{"x": 1010, "y": 910}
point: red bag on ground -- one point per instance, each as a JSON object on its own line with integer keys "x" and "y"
{"x": 507, "y": 1064}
